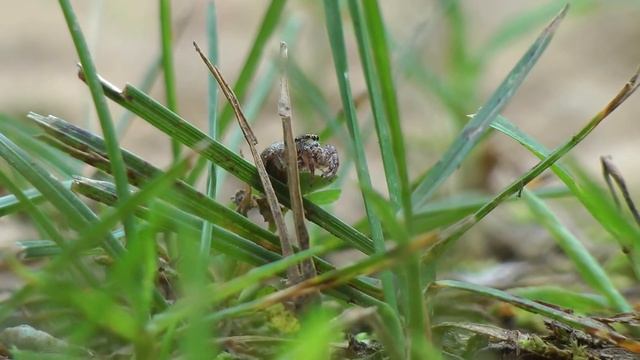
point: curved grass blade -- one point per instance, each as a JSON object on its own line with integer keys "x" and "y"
{"x": 90, "y": 149}
{"x": 449, "y": 210}
{"x": 457, "y": 230}
{"x": 587, "y": 193}
{"x": 24, "y": 137}
{"x": 516, "y": 27}
{"x": 88, "y": 70}
{"x": 389, "y": 162}
{"x": 473, "y": 131}
{"x": 380, "y": 51}
{"x": 591, "y": 326}
{"x": 78, "y": 214}
{"x": 592, "y": 273}
{"x": 338, "y": 50}
{"x": 578, "y": 302}
{"x": 168, "y": 70}
{"x": 10, "y": 204}
{"x": 212, "y": 108}
{"x": 45, "y": 225}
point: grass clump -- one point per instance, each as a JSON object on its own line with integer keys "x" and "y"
{"x": 155, "y": 268}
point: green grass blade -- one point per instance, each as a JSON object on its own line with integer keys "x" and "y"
{"x": 212, "y": 102}
{"x": 472, "y": 133}
{"x": 151, "y": 190}
{"x": 104, "y": 116}
{"x": 516, "y": 27}
{"x": 44, "y": 224}
{"x": 381, "y": 56}
{"x": 600, "y": 207}
{"x": 146, "y": 83}
{"x": 592, "y": 273}
{"x": 447, "y": 211}
{"x": 78, "y": 214}
{"x": 174, "y": 219}
{"x": 32, "y": 249}
{"x": 578, "y": 302}
{"x": 10, "y": 204}
{"x": 338, "y": 49}
{"x": 369, "y": 265}
{"x": 267, "y": 27}
{"x": 108, "y": 130}
{"x": 170, "y": 123}
{"x": 24, "y": 136}
{"x": 389, "y": 162}
{"x": 187, "y": 198}
{"x": 168, "y": 70}
{"x": 589, "y": 325}
{"x": 457, "y": 230}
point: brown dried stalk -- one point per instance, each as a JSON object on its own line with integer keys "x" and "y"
{"x": 293, "y": 273}
{"x": 293, "y": 178}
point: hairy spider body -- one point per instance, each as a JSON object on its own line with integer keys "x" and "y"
{"x": 312, "y": 156}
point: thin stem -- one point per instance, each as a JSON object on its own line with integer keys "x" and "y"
{"x": 207, "y": 227}
{"x": 167, "y": 66}
{"x": 104, "y": 116}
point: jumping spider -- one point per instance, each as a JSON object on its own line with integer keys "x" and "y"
{"x": 311, "y": 157}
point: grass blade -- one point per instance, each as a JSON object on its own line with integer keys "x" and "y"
{"x": 267, "y": 27}
{"x": 168, "y": 70}
{"x": 592, "y": 273}
{"x": 381, "y": 56}
{"x": 10, "y": 204}
{"x": 44, "y": 224}
{"x": 586, "y": 192}
{"x": 24, "y": 136}
{"x": 377, "y": 105}
{"x": 578, "y": 302}
{"x": 457, "y": 230}
{"x": 88, "y": 70}
{"x": 78, "y": 214}
{"x": 212, "y": 108}
{"x": 338, "y": 49}
{"x": 589, "y": 325}
{"x": 472, "y": 133}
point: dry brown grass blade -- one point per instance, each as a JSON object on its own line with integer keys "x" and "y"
{"x": 609, "y": 171}
{"x": 293, "y": 178}
{"x": 287, "y": 248}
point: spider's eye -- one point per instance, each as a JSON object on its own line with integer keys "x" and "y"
{"x": 315, "y": 137}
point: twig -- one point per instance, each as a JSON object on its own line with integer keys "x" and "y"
{"x": 609, "y": 170}
{"x": 293, "y": 273}
{"x": 293, "y": 177}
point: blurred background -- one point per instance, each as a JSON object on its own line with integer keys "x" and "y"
{"x": 466, "y": 47}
